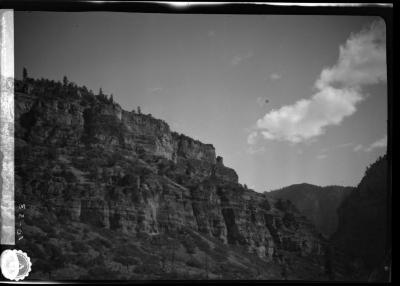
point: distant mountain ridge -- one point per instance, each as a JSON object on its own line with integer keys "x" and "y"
{"x": 319, "y": 204}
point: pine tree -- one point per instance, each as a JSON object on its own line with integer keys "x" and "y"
{"x": 24, "y": 74}
{"x": 65, "y": 81}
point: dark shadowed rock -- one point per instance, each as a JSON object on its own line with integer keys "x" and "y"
{"x": 319, "y": 204}
{"x": 363, "y": 230}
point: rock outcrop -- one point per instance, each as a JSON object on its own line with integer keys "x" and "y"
{"x": 113, "y": 177}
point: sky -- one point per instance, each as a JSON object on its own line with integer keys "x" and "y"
{"x": 284, "y": 99}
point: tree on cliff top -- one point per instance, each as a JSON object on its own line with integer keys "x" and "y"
{"x": 65, "y": 81}
{"x": 24, "y": 74}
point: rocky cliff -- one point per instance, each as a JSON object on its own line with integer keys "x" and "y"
{"x": 319, "y": 204}
{"x": 112, "y": 194}
{"x": 364, "y": 230}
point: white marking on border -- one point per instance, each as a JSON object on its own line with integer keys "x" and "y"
{"x": 7, "y": 216}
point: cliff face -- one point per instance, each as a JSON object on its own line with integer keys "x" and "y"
{"x": 62, "y": 122}
{"x": 318, "y": 204}
{"x": 363, "y": 229}
{"x": 98, "y": 178}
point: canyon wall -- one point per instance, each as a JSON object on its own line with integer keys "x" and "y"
{"x": 83, "y": 161}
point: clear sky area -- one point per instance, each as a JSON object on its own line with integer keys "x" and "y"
{"x": 284, "y": 99}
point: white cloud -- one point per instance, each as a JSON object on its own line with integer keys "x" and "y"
{"x": 344, "y": 145}
{"x": 307, "y": 118}
{"x": 252, "y": 138}
{"x": 358, "y": 148}
{"x": 211, "y": 33}
{"x": 275, "y": 76}
{"x": 322, "y": 156}
{"x": 381, "y": 143}
{"x": 154, "y": 89}
{"x": 255, "y": 150}
{"x": 240, "y": 58}
{"x": 362, "y": 61}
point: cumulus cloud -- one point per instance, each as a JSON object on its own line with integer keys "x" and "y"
{"x": 307, "y": 118}
{"x": 381, "y": 143}
{"x": 362, "y": 61}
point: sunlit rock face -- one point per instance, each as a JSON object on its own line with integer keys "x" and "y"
{"x": 79, "y": 160}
